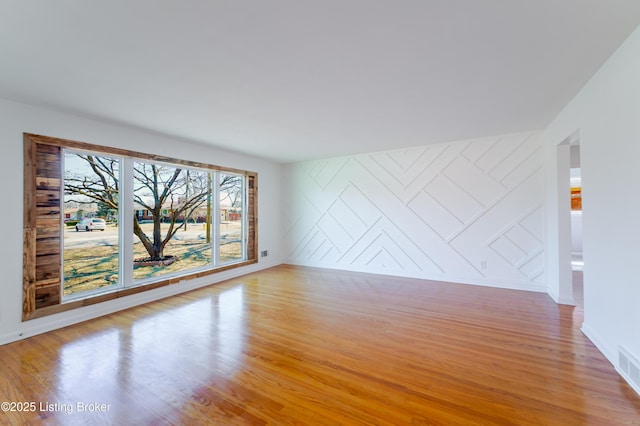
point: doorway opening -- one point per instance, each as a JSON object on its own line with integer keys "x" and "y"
{"x": 577, "y": 263}
{"x": 568, "y": 158}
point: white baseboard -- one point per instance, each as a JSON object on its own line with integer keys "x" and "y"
{"x": 506, "y": 284}
{"x": 562, "y": 300}
{"x": 612, "y": 357}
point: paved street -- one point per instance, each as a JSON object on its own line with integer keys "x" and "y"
{"x": 109, "y": 236}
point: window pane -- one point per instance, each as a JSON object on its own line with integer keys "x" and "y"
{"x": 91, "y": 255}
{"x": 231, "y": 217}
{"x": 171, "y": 214}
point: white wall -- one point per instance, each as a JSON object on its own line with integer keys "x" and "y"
{"x": 576, "y": 233}
{"x": 468, "y": 211}
{"x": 16, "y": 118}
{"x": 606, "y": 115}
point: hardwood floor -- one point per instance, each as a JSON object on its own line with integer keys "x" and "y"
{"x": 293, "y": 345}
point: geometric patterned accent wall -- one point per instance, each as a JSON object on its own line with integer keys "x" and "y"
{"x": 469, "y": 211}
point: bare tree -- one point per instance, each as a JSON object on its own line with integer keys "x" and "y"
{"x": 159, "y": 188}
{"x": 231, "y": 189}
{"x": 170, "y": 194}
{"x": 100, "y": 186}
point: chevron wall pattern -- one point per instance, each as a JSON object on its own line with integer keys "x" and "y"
{"x": 469, "y": 211}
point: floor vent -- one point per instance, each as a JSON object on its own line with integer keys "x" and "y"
{"x": 629, "y": 368}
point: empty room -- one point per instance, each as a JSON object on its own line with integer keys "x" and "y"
{"x": 320, "y": 212}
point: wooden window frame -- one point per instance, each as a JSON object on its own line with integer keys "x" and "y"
{"x": 42, "y": 225}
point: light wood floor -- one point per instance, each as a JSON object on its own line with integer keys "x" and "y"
{"x": 294, "y": 345}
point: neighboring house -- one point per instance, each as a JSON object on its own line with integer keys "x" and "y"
{"x": 230, "y": 214}
{"x": 199, "y": 215}
{"x": 79, "y": 213}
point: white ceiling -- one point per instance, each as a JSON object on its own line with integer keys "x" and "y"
{"x": 298, "y": 79}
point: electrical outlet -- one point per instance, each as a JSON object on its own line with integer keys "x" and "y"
{"x": 264, "y": 253}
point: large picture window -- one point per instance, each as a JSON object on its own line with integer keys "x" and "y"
{"x": 102, "y": 222}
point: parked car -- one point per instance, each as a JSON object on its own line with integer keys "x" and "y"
{"x": 91, "y": 223}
